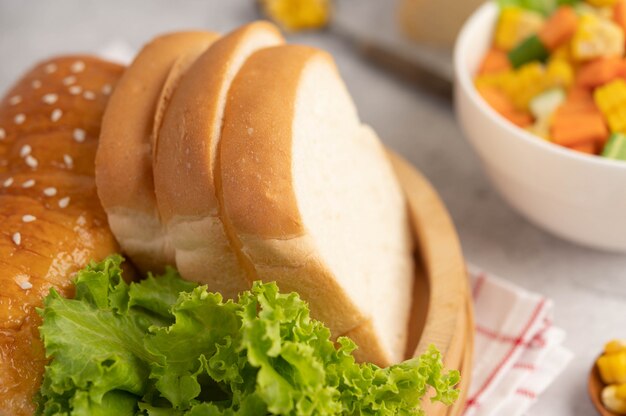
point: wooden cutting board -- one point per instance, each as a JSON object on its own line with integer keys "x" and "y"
{"x": 442, "y": 310}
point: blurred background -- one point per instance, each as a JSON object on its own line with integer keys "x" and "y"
{"x": 409, "y": 118}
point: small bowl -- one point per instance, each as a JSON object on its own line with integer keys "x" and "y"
{"x": 578, "y": 197}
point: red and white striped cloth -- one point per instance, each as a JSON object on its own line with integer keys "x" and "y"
{"x": 518, "y": 352}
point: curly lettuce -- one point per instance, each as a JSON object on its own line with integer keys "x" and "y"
{"x": 165, "y": 346}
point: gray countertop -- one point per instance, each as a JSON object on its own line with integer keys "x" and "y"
{"x": 589, "y": 287}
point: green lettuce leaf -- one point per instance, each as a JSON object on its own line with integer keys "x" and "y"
{"x": 164, "y": 346}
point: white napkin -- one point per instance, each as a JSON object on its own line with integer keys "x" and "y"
{"x": 518, "y": 352}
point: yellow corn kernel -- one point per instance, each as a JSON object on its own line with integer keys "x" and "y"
{"x": 597, "y": 37}
{"x": 615, "y": 346}
{"x": 612, "y": 401}
{"x": 563, "y": 52}
{"x": 298, "y": 14}
{"x": 620, "y": 391}
{"x": 611, "y": 100}
{"x": 602, "y": 3}
{"x": 514, "y": 25}
{"x": 612, "y": 368}
{"x": 528, "y": 82}
{"x": 560, "y": 73}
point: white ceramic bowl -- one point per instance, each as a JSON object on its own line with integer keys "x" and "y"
{"x": 579, "y": 197}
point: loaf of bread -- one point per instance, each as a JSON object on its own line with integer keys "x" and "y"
{"x": 186, "y": 157}
{"x": 52, "y": 221}
{"x": 261, "y": 170}
{"x": 124, "y": 158}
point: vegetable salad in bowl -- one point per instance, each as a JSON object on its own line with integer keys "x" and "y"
{"x": 557, "y": 69}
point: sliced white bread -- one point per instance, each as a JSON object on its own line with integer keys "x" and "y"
{"x": 186, "y": 156}
{"x": 309, "y": 199}
{"x": 124, "y": 158}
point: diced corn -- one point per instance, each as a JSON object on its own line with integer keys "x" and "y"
{"x": 597, "y": 37}
{"x": 602, "y": 3}
{"x": 611, "y": 100}
{"x": 613, "y": 400}
{"x": 529, "y": 81}
{"x": 515, "y": 25}
{"x": 298, "y": 14}
{"x": 615, "y": 346}
{"x": 620, "y": 391}
{"x": 613, "y": 368}
{"x": 560, "y": 73}
{"x": 563, "y": 53}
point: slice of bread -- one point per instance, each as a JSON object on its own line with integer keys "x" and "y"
{"x": 124, "y": 158}
{"x": 186, "y": 156}
{"x": 308, "y": 198}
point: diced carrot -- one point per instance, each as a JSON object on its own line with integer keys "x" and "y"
{"x": 495, "y": 61}
{"x": 559, "y": 28}
{"x": 578, "y": 93}
{"x": 577, "y": 107}
{"x": 571, "y": 128}
{"x": 600, "y": 72}
{"x": 619, "y": 13}
{"x": 587, "y": 147}
{"x": 504, "y": 106}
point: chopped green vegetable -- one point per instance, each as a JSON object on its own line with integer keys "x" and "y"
{"x": 164, "y": 346}
{"x": 532, "y": 49}
{"x": 615, "y": 148}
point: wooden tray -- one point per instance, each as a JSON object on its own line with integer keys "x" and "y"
{"x": 442, "y": 309}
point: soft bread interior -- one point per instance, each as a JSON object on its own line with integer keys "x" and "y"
{"x": 352, "y": 206}
{"x": 187, "y": 152}
{"x": 383, "y": 245}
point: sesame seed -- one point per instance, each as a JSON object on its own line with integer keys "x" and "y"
{"x": 28, "y": 218}
{"x": 19, "y": 118}
{"x": 25, "y": 150}
{"x": 50, "y": 68}
{"x": 36, "y": 84}
{"x": 17, "y": 238}
{"x": 50, "y": 191}
{"x": 3, "y": 134}
{"x": 23, "y": 282}
{"x": 31, "y": 161}
{"x": 67, "y": 81}
{"x": 28, "y": 184}
{"x": 15, "y": 100}
{"x": 8, "y": 182}
{"x": 69, "y": 162}
{"x": 64, "y": 202}
{"x": 50, "y": 98}
{"x": 106, "y": 89}
{"x": 89, "y": 95}
{"x": 77, "y": 67}
{"x": 56, "y": 115}
{"x": 75, "y": 89}
{"x": 79, "y": 135}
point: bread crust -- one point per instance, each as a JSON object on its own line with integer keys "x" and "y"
{"x": 186, "y": 154}
{"x": 124, "y": 158}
